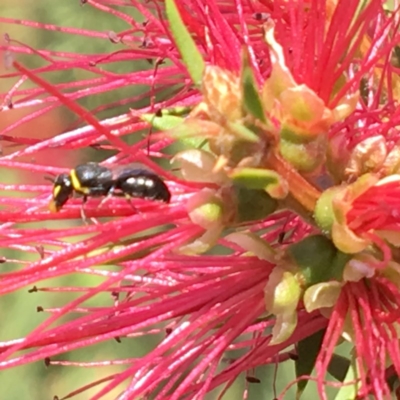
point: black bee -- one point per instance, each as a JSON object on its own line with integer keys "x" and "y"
{"x": 94, "y": 180}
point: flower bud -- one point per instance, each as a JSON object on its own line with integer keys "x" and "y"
{"x": 367, "y": 156}
{"x": 282, "y": 294}
{"x": 222, "y": 94}
{"x": 321, "y": 295}
{"x": 206, "y": 209}
{"x": 304, "y": 157}
{"x": 198, "y": 166}
{"x": 317, "y": 259}
{"x": 252, "y": 204}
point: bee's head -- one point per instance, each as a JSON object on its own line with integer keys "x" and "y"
{"x": 62, "y": 191}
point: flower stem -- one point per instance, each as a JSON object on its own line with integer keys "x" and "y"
{"x": 300, "y": 189}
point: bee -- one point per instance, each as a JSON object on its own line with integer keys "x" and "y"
{"x": 94, "y": 180}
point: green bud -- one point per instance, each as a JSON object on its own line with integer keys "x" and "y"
{"x": 318, "y": 260}
{"x": 324, "y": 214}
{"x": 304, "y": 157}
{"x": 281, "y": 294}
{"x": 253, "y": 205}
{"x": 206, "y": 209}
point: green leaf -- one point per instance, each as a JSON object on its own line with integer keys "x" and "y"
{"x": 186, "y": 133}
{"x": 193, "y": 132}
{"x": 264, "y": 179}
{"x": 393, "y": 381}
{"x": 307, "y": 351}
{"x": 338, "y": 367}
{"x": 179, "y": 110}
{"x": 242, "y": 132}
{"x": 251, "y": 99}
{"x": 187, "y": 48}
{"x": 349, "y": 391}
{"x": 164, "y": 122}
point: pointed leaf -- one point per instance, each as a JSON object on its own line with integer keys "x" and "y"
{"x": 338, "y": 367}
{"x": 187, "y": 48}
{"x": 251, "y": 99}
{"x": 176, "y": 128}
{"x": 307, "y": 351}
{"x": 178, "y": 110}
{"x": 349, "y": 391}
{"x": 242, "y": 132}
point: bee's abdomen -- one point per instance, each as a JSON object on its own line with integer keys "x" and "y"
{"x": 143, "y": 184}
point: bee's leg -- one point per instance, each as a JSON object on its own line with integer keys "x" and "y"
{"x": 129, "y": 200}
{"x": 83, "y": 215}
{"x": 108, "y": 196}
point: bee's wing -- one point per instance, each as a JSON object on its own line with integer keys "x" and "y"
{"x": 126, "y": 170}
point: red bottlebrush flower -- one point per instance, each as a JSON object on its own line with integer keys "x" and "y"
{"x": 367, "y": 312}
{"x": 250, "y": 258}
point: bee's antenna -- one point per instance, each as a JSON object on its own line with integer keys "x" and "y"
{"x": 158, "y": 113}
{"x": 50, "y": 178}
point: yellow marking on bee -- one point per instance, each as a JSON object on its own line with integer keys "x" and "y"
{"x": 56, "y": 190}
{"x": 76, "y": 183}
